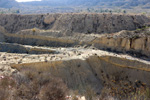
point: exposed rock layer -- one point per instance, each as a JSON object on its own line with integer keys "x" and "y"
{"x": 133, "y": 42}
{"x": 16, "y": 48}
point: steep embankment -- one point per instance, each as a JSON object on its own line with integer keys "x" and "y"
{"x": 96, "y": 72}
{"x": 136, "y": 43}
{"x": 69, "y": 23}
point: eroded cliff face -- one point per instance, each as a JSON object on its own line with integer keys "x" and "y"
{"x": 96, "y": 72}
{"x": 81, "y": 23}
{"x": 137, "y": 44}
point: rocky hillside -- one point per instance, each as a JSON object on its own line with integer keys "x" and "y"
{"x": 106, "y": 3}
{"x": 70, "y": 23}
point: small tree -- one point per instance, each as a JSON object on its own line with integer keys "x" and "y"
{"x": 18, "y": 11}
{"x": 124, "y": 11}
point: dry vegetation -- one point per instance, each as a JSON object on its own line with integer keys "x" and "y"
{"x": 32, "y": 86}
{"x": 139, "y": 94}
{"x": 45, "y": 87}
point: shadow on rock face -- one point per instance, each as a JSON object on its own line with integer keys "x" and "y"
{"x": 16, "y": 48}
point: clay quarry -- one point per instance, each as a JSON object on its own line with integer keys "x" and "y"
{"x": 96, "y": 56}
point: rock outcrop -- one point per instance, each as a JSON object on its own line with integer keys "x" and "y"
{"x": 136, "y": 43}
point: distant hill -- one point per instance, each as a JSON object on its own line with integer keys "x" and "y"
{"x": 8, "y": 3}
{"x": 121, "y": 3}
{"x": 106, "y": 3}
{"x": 52, "y": 6}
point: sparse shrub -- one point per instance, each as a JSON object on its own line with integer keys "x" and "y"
{"x": 4, "y": 94}
{"x": 74, "y": 97}
{"x": 7, "y": 85}
{"x": 54, "y": 90}
{"x": 41, "y": 87}
{"x": 25, "y": 92}
{"x": 7, "y": 82}
{"x": 33, "y": 30}
{"x": 135, "y": 37}
{"x": 90, "y": 93}
{"x": 140, "y": 94}
{"x": 147, "y": 93}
